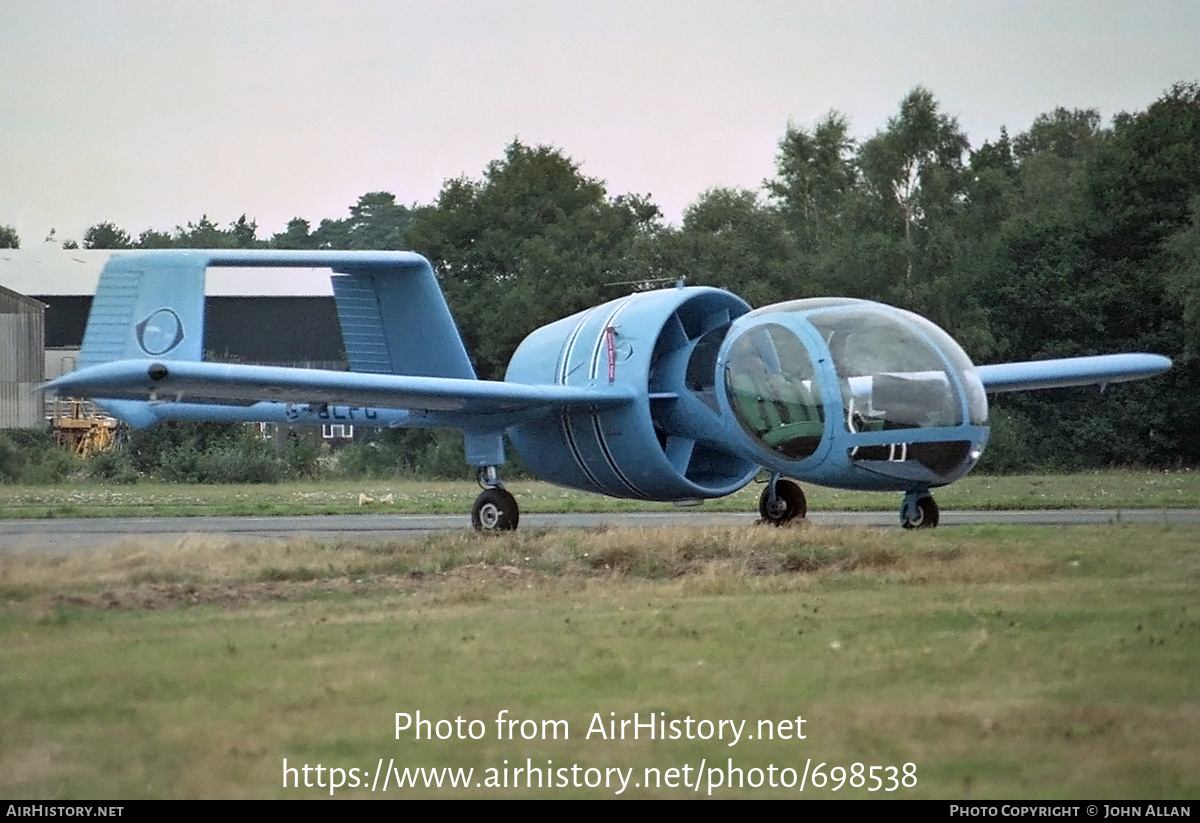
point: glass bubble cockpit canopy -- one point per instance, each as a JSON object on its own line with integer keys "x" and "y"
{"x": 887, "y": 369}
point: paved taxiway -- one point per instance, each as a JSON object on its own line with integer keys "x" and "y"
{"x": 66, "y": 535}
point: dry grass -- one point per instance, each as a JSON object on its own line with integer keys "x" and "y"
{"x": 1011, "y": 662}
{"x": 196, "y": 570}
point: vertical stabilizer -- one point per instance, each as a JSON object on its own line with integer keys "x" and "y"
{"x": 395, "y": 321}
{"x": 146, "y": 306}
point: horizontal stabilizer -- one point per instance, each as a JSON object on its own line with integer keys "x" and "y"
{"x": 1071, "y": 371}
{"x": 182, "y": 381}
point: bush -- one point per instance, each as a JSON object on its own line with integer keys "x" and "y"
{"x": 367, "y": 460}
{"x": 12, "y": 460}
{"x": 1008, "y": 448}
{"x": 444, "y": 458}
{"x": 30, "y": 456}
{"x": 252, "y": 461}
{"x": 302, "y": 459}
{"x": 179, "y": 465}
{"x": 150, "y": 450}
{"x": 112, "y": 467}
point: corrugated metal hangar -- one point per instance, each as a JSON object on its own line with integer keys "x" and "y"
{"x": 270, "y": 316}
{"x": 21, "y": 358}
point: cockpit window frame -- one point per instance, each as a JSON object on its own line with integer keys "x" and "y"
{"x": 921, "y": 456}
{"x": 777, "y": 401}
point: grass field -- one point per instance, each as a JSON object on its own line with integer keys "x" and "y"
{"x": 1109, "y": 489}
{"x": 1013, "y": 662}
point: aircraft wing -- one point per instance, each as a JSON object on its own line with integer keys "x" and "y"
{"x": 204, "y": 382}
{"x": 1071, "y": 371}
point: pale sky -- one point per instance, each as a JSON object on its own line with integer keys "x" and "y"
{"x": 150, "y": 114}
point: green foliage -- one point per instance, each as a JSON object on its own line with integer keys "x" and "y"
{"x": 12, "y": 460}
{"x": 531, "y": 242}
{"x": 203, "y": 234}
{"x": 297, "y": 235}
{"x": 241, "y": 234}
{"x": 250, "y": 461}
{"x": 376, "y": 221}
{"x": 111, "y": 466}
{"x": 9, "y": 239}
{"x": 815, "y": 174}
{"x": 30, "y": 456}
{"x": 442, "y": 459}
{"x": 174, "y": 446}
{"x": 180, "y": 465}
{"x": 107, "y": 236}
{"x": 732, "y": 240}
{"x": 401, "y": 453}
{"x": 302, "y": 458}
{"x": 215, "y": 453}
{"x": 367, "y": 460}
{"x": 151, "y": 239}
{"x": 236, "y": 457}
{"x": 1183, "y": 277}
{"x": 1008, "y": 450}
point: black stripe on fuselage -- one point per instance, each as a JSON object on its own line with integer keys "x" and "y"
{"x": 573, "y": 447}
{"x": 597, "y": 427}
{"x": 564, "y": 366}
{"x": 563, "y": 370}
{"x": 612, "y": 463}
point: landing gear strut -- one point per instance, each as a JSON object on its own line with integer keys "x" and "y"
{"x": 495, "y": 510}
{"x": 781, "y": 501}
{"x": 918, "y": 511}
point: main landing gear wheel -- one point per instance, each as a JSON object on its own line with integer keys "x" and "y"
{"x": 921, "y": 513}
{"x": 495, "y": 510}
{"x": 789, "y": 503}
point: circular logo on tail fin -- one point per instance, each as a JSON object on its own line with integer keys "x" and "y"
{"x": 160, "y": 332}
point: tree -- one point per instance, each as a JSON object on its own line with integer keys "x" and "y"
{"x": 532, "y": 241}
{"x": 732, "y": 240}
{"x": 814, "y": 173}
{"x": 1184, "y": 277}
{"x": 241, "y": 234}
{"x": 915, "y": 165}
{"x": 152, "y": 239}
{"x": 1144, "y": 180}
{"x": 297, "y": 235}
{"x": 376, "y": 221}
{"x": 244, "y": 233}
{"x": 107, "y": 236}
{"x": 1070, "y": 134}
{"x": 1094, "y": 258}
{"x": 9, "y": 238}
{"x": 990, "y": 182}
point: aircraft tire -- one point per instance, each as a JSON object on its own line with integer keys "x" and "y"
{"x": 495, "y": 510}
{"x": 924, "y": 515}
{"x": 789, "y": 503}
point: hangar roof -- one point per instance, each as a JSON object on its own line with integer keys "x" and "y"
{"x": 48, "y": 270}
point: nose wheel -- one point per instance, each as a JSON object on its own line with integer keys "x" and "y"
{"x": 495, "y": 510}
{"x": 782, "y": 501}
{"x": 918, "y": 511}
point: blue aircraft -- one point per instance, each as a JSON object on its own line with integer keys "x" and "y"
{"x": 680, "y": 394}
